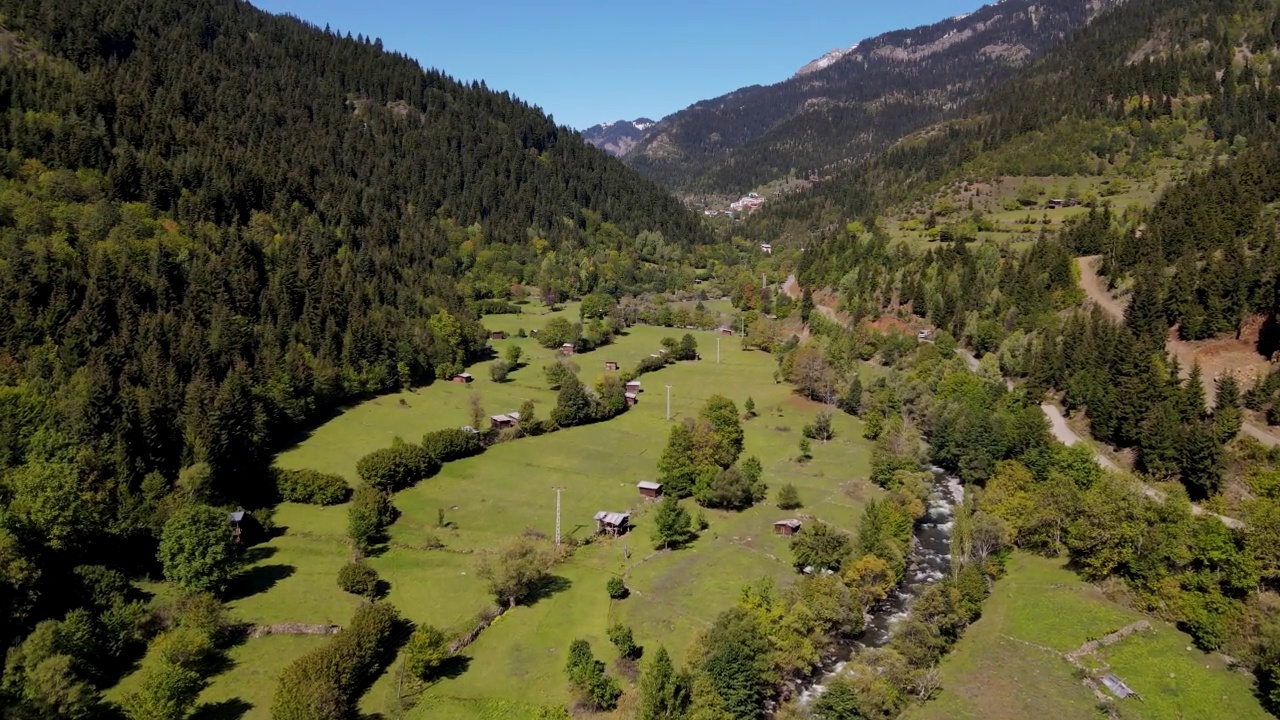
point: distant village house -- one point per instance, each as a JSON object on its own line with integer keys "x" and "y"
{"x": 786, "y": 527}
{"x": 649, "y": 490}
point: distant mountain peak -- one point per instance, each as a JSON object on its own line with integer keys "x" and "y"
{"x": 618, "y": 136}
{"x": 827, "y": 59}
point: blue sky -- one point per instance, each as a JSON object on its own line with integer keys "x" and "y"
{"x": 587, "y": 62}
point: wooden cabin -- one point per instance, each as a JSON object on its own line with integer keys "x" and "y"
{"x": 566, "y": 349}
{"x": 725, "y": 330}
{"x": 611, "y": 523}
{"x": 498, "y": 335}
{"x": 649, "y": 490}
{"x": 502, "y": 422}
{"x": 611, "y": 366}
{"x": 786, "y": 527}
{"x": 462, "y": 378}
{"x": 633, "y": 386}
{"x": 631, "y": 398}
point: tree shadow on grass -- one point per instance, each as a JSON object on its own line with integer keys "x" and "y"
{"x": 451, "y": 668}
{"x": 232, "y": 709}
{"x": 551, "y": 585}
{"x": 257, "y": 553}
{"x": 257, "y": 579}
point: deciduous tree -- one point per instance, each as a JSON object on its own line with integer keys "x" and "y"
{"x": 195, "y": 549}
{"x": 516, "y": 570}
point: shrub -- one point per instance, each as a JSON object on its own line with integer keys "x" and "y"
{"x": 371, "y": 511}
{"x": 451, "y": 444}
{"x": 310, "y": 486}
{"x": 621, "y": 637}
{"x": 427, "y": 650}
{"x": 358, "y": 578}
{"x": 397, "y": 467}
{"x": 617, "y": 588}
{"x": 499, "y": 370}
{"x": 789, "y": 497}
{"x": 325, "y": 683}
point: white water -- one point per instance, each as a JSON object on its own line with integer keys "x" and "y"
{"x": 930, "y": 562}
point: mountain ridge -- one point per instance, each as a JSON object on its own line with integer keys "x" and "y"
{"x": 617, "y": 137}
{"x": 879, "y": 90}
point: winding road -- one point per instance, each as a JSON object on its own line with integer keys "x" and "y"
{"x": 1057, "y": 422}
{"x": 1096, "y": 290}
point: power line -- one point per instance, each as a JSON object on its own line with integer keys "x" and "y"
{"x": 557, "y": 489}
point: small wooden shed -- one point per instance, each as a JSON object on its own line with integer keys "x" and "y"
{"x": 498, "y": 335}
{"x": 650, "y": 490}
{"x": 239, "y": 521}
{"x": 462, "y": 378}
{"x": 611, "y": 365}
{"x": 631, "y": 397}
{"x": 633, "y": 386}
{"x": 611, "y": 523}
{"x": 566, "y": 349}
{"x": 501, "y": 422}
{"x": 787, "y": 527}
{"x": 725, "y": 330}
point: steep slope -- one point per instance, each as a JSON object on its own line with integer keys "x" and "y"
{"x": 865, "y": 99}
{"x": 217, "y": 225}
{"x": 618, "y": 137}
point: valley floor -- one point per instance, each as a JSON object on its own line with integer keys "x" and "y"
{"x": 519, "y": 661}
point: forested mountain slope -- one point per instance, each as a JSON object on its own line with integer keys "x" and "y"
{"x": 879, "y": 91}
{"x": 217, "y": 224}
{"x": 1204, "y": 258}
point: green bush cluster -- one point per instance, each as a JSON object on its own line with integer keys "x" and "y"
{"x": 311, "y": 487}
{"x": 357, "y": 578}
{"x": 397, "y": 467}
{"x": 325, "y": 683}
{"x": 451, "y": 444}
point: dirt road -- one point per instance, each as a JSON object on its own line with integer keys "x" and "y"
{"x": 1095, "y": 288}
{"x": 1233, "y": 359}
{"x": 1057, "y": 423}
{"x": 792, "y": 288}
{"x": 1065, "y": 435}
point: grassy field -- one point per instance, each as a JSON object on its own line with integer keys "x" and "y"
{"x": 1021, "y": 226}
{"x": 508, "y": 491}
{"x": 1009, "y": 664}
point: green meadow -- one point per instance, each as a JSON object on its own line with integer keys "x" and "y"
{"x": 1009, "y": 664}
{"x": 508, "y": 491}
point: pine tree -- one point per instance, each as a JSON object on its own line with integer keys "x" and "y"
{"x": 672, "y": 525}
{"x": 664, "y": 692}
{"x": 1145, "y": 314}
{"x": 1202, "y": 459}
{"x": 1227, "y": 415}
{"x": 851, "y": 400}
{"x": 1193, "y": 405}
{"x": 1161, "y": 441}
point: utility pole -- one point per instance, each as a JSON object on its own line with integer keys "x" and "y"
{"x": 668, "y": 402}
{"x": 557, "y": 489}
{"x": 763, "y": 285}
{"x": 717, "y": 349}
